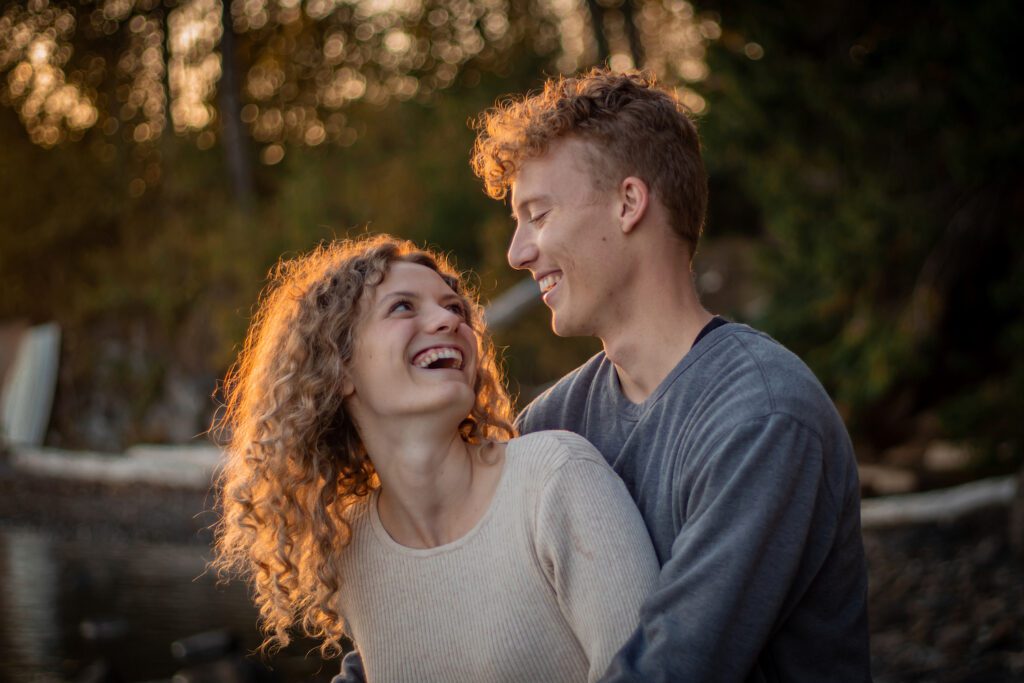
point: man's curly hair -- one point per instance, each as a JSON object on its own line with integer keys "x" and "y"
{"x": 634, "y": 128}
{"x": 294, "y": 459}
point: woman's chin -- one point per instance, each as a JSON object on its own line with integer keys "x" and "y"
{"x": 451, "y": 402}
{"x": 460, "y": 402}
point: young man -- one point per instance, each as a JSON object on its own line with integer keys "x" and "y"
{"x": 735, "y": 455}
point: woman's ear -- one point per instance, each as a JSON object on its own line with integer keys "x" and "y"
{"x": 347, "y": 387}
{"x": 633, "y": 197}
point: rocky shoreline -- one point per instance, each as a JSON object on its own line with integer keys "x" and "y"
{"x": 123, "y": 511}
{"x": 947, "y": 601}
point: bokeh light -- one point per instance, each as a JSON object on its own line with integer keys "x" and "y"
{"x": 33, "y": 50}
{"x": 308, "y": 60}
{"x": 195, "y": 65}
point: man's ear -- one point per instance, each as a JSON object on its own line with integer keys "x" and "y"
{"x": 633, "y": 197}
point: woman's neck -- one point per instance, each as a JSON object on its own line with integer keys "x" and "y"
{"x": 434, "y": 486}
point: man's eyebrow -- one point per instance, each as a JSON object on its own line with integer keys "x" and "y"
{"x": 517, "y": 206}
{"x": 524, "y": 203}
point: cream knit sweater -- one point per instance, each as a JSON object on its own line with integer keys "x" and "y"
{"x": 546, "y": 587}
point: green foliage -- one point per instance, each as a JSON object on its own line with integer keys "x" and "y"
{"x": 870, "y": 151}
{"x": 156, "y": 278}
{"x": 879, "y": 144}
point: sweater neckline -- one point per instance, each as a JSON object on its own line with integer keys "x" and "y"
{"x": 634, "y": 411}
{"x": 394, "y": 546}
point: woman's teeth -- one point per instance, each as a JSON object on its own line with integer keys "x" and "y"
{"x": 427, "y": 358}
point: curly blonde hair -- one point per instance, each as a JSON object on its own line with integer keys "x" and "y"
{"x": 294, "y": 460}
{"x": 637, "y": 129}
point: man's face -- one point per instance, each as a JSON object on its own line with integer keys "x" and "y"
{"x": 567, "y": 232}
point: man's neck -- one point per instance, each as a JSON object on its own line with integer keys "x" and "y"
{"x": 648, "y": 343}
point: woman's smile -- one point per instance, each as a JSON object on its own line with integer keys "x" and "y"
{"x": 439, "y": 358}
{"x": 413, "y": 318}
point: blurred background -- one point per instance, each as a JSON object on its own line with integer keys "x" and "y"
{"x": 158, "y": 156}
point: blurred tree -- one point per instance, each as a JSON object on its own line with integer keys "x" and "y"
{"x": 879, "y": 147}
{"x": 158, "y": 155}
{"x": 149, "y": 250}
{"x": 287, "y": 69}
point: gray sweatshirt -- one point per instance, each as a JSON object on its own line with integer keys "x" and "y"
{"x": 747, "y": 482}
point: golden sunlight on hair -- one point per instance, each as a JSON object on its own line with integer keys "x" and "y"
{"x": 294, "y": 459}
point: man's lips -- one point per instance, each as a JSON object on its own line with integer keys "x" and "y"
{"x": 548, "y": 281}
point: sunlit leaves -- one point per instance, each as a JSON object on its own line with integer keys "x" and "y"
{"x": 33, "y": 53}
{"x": 143, "y": 64}
{"x": 195, "y": 65}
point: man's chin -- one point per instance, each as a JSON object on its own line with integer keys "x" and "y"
{"x": 564, "y": 328}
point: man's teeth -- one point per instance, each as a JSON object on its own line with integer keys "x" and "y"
{"x": 549, "y": 281}
{"x": 424, "y": 359}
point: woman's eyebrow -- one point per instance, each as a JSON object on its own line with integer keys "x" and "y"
{"x": 404, "y": 295}
{"x": 397, "y": 295}
{"x": 448, "y": 296}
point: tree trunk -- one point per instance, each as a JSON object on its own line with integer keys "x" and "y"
{"x": 233, "y": 136}
{"x": 636, "y": 46}
{"x": 597, "y": 23}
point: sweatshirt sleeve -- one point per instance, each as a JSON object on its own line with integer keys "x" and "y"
{"x": 594, "y": 548}
{"x": 351, "y": 669}
{"x": 759, "y": 509}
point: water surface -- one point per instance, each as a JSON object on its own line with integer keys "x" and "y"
{"x": 69, "y": 602}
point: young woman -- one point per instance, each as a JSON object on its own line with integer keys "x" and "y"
{"x": 374, "y": 488}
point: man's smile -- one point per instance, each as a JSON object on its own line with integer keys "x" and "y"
{"x": 548, "y": 282}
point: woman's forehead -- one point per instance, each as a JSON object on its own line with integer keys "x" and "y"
{"x": 412, "y": 277}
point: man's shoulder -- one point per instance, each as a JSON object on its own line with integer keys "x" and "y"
{"x": 748, "y": 365}
{"x": 559, "y": 405}
{"x": 747, "y": 377}
{"x": 737, "y": 368}
{"x": 740, "y": 343}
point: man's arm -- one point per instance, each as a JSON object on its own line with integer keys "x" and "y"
{"x": 757, "y": 498}
{"x": 351, "y": 669}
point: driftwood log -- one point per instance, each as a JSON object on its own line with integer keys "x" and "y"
{"x": 946, "y": 504}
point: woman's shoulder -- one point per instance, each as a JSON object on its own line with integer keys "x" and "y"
{"x": 359, "y": 544}
{"x": 357, "y": 514}
{"x": 549, "y": 450}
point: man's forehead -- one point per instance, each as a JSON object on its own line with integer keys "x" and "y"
{"x": 563, "y": 158}
{"x": 559, "y": 156}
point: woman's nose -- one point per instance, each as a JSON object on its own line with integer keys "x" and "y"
{"x": 443, "y": 319}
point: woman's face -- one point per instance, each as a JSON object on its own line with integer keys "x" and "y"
{"x": 414, "y": 352}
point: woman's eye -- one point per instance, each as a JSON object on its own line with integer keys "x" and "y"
{"x": 457, "y": 309}
{"x": 400, "y": 307}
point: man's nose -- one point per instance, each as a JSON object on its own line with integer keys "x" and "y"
{"x": 522, "y": 252}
